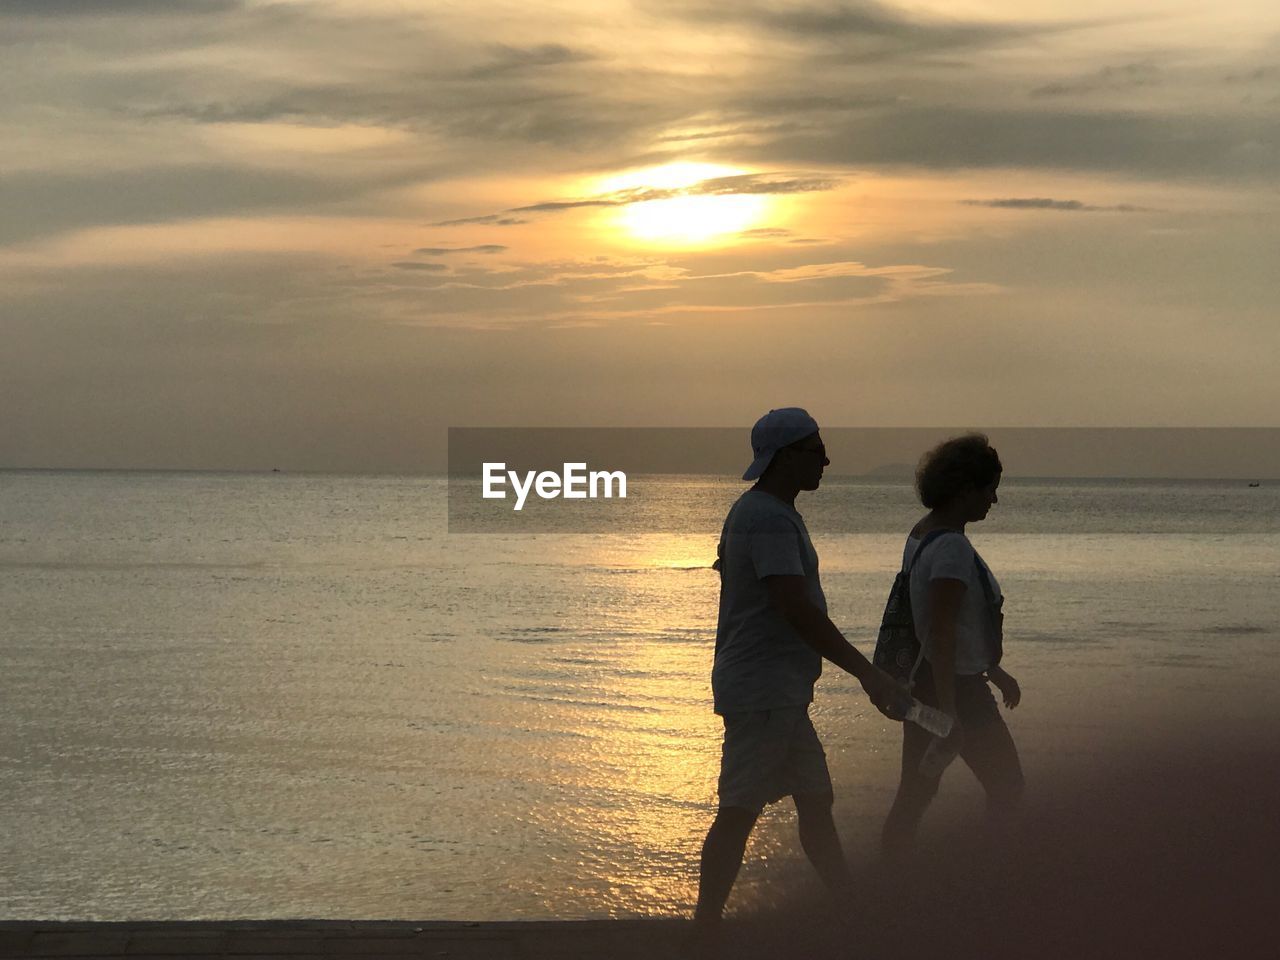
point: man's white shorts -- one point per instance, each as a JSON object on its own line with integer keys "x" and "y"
{"x": 771, "y": 754}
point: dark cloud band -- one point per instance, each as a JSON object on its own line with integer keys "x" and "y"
{"x": 444, "y": 251}
{"x": 102, "y": 8}
{"x": 747, "y": 183}
{"x": 1047, "y": 203}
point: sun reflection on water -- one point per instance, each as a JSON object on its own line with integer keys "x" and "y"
{"x": 637, "y": 743}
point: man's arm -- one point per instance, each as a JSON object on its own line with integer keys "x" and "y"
{"x": 789, "y": 596}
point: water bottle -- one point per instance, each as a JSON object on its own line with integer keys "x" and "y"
{"x": 937, "y": 722}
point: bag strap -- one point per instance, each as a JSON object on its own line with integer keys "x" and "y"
{"x": 929, "y": 537}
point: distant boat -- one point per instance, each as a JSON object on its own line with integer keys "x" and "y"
{"x": 1255, "y": 484}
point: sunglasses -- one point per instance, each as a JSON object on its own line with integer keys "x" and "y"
{"x": 820, "y": 450}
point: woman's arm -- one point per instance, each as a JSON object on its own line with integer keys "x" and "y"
{"x": 944, "y": 599}
{"x": 1007, "y": 686}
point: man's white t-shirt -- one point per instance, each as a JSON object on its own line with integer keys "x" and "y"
{"x": 761, "y": 662}
{"x": 951, "y": 557}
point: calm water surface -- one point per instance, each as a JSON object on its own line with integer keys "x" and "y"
{"x": 281, "y": 696}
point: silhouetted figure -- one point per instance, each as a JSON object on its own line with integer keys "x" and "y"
{"x": 956, "y": 604}
{"x": 772, "y": 635}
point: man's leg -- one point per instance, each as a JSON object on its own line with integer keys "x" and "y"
{"x": 821, "y": 841}
{"x": 721, "y": 859}
{"x": 748, "y": 762}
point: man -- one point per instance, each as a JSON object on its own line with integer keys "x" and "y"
{"x": 772, "y": 636}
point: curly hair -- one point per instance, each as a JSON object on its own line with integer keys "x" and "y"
{"x": 961, "y": 463}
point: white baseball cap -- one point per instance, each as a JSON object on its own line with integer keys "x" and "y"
{"x": 775, "y": 430}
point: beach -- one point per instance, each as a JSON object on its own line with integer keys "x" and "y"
{"x": 204, "y": 940}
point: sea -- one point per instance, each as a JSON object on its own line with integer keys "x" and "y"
{"x": 230, "y": 695}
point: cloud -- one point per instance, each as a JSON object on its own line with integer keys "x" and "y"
{"x": 438, "y": 76}
{"x": 461, "y": 116}
{"x": 509, "y": 60}
{"x": 1188, "y": 144}
{"x": 550, "y": 206}
{"x": 99, "y": 8}
{"x": 443, "y": 251}
{"x": 43, "y": 204}
{"x": 758, "y": 183}
{"x": 492, "y": 218}
{"x": 1255, "y": 75}
{"x": 608, "y": 291}
{"x": 1126, "y": 77}
{"x": 863, "y": 30}
{"x": 772, "y": 104}
{"x": 469, "y": 96}
{"x": 414, "y": 265}
{"x": 747, "y": 183}
{"x": 1046, "y": 203}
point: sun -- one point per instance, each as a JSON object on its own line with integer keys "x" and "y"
{"x": 683, "y": 219}
{"x": 692, "y": 220}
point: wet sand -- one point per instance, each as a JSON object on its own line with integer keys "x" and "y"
{"x": 1165, "y": 845}
{"x": 302, "y": 939}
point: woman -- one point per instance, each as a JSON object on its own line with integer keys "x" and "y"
{"x": 955, "y": 602}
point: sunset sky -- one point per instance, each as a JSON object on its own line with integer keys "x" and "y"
{"x": 313, "y": 235}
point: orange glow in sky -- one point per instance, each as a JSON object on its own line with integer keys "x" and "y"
{"x": 695, "y": 219}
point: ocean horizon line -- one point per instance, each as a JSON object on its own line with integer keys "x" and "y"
{"x": 875, "y": 475}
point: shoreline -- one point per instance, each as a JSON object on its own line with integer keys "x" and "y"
{"x": 300, "y": 938}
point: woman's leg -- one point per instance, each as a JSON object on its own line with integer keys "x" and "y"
{"x": 915, "y": 790}
{"x": 989, "y": 750}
